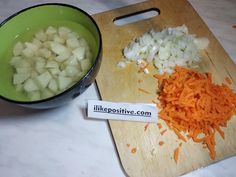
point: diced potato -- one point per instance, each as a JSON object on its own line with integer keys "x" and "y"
{"x": 15, "y": 60}
{"x": 63, "y": 56}
{"x": 46, "y": 44}
{"x": 41, "y": 36}
{"x": 79, "y": 53}
{"x": 72, "y": 61}
{"x": 83, "y": 43}
{"x": 40, "y": 59}
{"x": 44, "y": 52}
{"x": 57, "y": 48}
{"x": 30, "y": 86}
{"x": 64, "y": 82}
{"x": 53, "y": 85}
{"x": 34, "y": 95}
{"x": 73, "y": 35}
{"x": 58, "y": 39}
{"x": 71, "y": 71}
{"x": 40, "y": 66}
{"x": 20, "y": 78}
{"x": 43, "y": 79}
{"x": 37, "y": 42}
{"x": 22, "y": 64}
{"x": 52, "y": 64}
{"x": 54, "y": 71}
{"x": 63, "y": 73}
{"x": 51, "y": 30}
{"x": 89, "y": 55}
{"x": 72, "y": 43}
{"x": 31, "y": 46}
{"x": 23, "y": 70}
{"x": 46, "y": 93}
{"x": 85, "y": 64}
{"x": 63, "y": 31}
{"x": 19, "y": 87}
{"x": 27, "y": 52}
{"x": 34, "y": 74}
{"x": 18, "y": 48}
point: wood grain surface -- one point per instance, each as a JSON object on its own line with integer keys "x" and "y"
{"x": 121, "y": 85}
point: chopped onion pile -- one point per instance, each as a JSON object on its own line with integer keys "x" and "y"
{"x": 54, "y": 60}
{"x": 166, "y": 49}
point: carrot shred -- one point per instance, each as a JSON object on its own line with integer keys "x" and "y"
{"x": 176, "y": 154}
{"x": 161, "y": 143}
{"x": 179, "y": 135}
{"x": 146, "y": 126}
{"x": 193, "y": 106}
{"x": 162, "y": 132}
{"x": 133, "y": 150}
{"x": 144, "y": 91}
{"x": 159, "y": 125}
{"x": 222, "y": 134}
{"x": 228, "y": 80}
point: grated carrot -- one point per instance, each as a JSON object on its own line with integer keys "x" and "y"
{"x": 162, "y": 132}
{"x": 192, "y": 105}
{"x": 161, "y": 143}
{"x": 159, "y": 125}
{"x": 176, "y": 154}
{"x": 134, "y": 150}
{"x": 144, "y": 91}
{"x": 179, "y": 135}
{"x": 146, "y": 126}
{"x": 228, "y": 80}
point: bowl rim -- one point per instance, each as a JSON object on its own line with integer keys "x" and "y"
{"x": 87, "y": 73}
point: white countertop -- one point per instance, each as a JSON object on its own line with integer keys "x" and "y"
{"x": 62, "y": 142}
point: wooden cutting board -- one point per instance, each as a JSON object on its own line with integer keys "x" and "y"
{"x": 121, "y": 85}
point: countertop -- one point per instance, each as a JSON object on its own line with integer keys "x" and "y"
{"x": 62, "y": 142}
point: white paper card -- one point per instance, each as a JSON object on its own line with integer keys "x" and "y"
{"x": 142, "y": 112}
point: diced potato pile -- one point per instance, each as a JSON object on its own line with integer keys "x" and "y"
{"x": 53, "y": 61}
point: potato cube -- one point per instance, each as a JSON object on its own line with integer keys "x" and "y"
{"x": 18, "y": 48}
{"x": 79, "y": 53}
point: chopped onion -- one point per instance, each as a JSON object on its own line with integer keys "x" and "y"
{"x": 166, "y": 49}
{"x": 55, "y": 59}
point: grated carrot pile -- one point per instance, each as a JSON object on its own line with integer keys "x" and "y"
{"x": 195, "y": 107}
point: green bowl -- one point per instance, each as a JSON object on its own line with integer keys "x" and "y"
{"x": 22, "y": 25}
